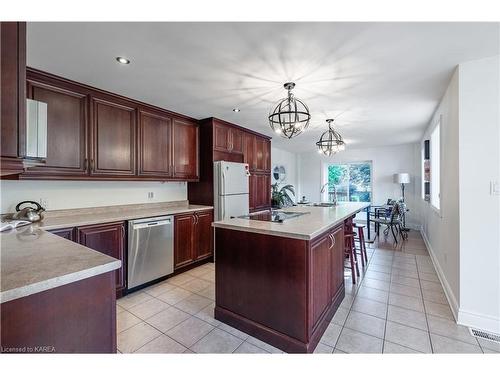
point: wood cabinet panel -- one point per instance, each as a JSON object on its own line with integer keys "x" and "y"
{"x": 260, "y": 191}
{"x": 337, "y": 261}
{"x": 108, "y": 239}
{"x": 66, "y": 129}
{"x": 68, "y": 233}
{"x": 183, "y": 240}
{"x": 203, "y": 241}
{"x": 154, "y": 144}
{"x": 236, "y": 141}
{"x": 320, "y": 277}
{"x": 221, "y": 137}
{"x": 12, "y": 96}
{"x": 185, "y": 149}
{"x": 113, "y": 138}
{"x": 249, "y": 151}
{"x": 262, "y": 154}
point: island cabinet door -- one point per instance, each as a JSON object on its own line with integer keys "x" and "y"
{"x": 67, "y": 233}
{"x": 337, "y": 261}
{"x": 320, "y": 277}
{"x": 108, "y": 239}
{"x": 184, "y": 227}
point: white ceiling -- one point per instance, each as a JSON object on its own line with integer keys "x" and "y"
{"x": 380, "y": 81}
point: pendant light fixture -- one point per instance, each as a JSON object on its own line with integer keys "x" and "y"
{"x": 290, "y": 116}
{"x": 330, "y": 141}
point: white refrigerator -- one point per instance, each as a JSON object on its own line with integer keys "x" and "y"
{"x": 230, "y": 189}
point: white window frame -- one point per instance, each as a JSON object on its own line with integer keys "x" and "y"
{"x": 324, "y": 196}
{"x": 436, "y": 186}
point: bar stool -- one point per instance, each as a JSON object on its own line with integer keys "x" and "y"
{"x": 350, "y": 252}
{"x": 360, "y": 238}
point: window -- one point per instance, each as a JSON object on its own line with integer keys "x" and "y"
{"x": 353, "y": 182}
{"x": 435, "y": 166}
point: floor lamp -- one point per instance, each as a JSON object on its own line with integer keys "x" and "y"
{"x": 402, "y": 179}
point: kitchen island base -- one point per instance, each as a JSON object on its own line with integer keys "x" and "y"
{"x": 283, "y": 291}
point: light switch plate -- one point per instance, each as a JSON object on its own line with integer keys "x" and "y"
{"x": 494, "y": 188}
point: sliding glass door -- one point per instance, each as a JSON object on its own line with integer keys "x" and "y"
{"x": 353, "y": 182}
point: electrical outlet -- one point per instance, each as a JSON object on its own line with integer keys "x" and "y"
{"x": 151, "y": 195}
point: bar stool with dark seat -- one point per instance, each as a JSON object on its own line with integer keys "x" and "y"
{"x": 360, "y": 238}
{"x": 350, "y": 252}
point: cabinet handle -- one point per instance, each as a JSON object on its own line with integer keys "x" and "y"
{"x": 332, "y": 241}
{"x": 195, "y": 215}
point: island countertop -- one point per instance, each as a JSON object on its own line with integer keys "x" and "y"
{"x": 34, "y": 260}
{"x": 315, "y": 221}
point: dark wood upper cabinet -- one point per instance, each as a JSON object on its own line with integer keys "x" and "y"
{"x": 203, "y": 240}
{"x": 185, "y": 149}
{"x": 98, "y": 135}
{"x": 113, "y": 138}
{"x": 221, "y": 137}
{"x": 249, "y": 151}
{"x": 66, "y": 128}
{"x": 236, "y": 137}
{"x": 227, "y": 138}
{"x": 154, "y": 145}
{"x": 183, "y": 240}
{"x": 263, "y": 154}
{"x": 12, "y": 96}
{"x": 108, "y": 239}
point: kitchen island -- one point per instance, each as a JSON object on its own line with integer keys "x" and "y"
{"x": 283, "y": 282}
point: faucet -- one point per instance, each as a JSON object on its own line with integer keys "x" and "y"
{"x": 334, "y": 192}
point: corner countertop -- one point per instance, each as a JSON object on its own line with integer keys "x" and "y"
{"x": 315, "y": 221}
{"x": 34, "y": 260}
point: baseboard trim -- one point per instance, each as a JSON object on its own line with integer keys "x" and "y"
{"x": 444, "y": 283}
{"x": 479, "y": 321}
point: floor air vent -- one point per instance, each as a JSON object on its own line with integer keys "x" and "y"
{"x": 484, "y": 335}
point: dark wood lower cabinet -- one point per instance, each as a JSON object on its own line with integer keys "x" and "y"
{"x": 108, "y": 239}
{"x": 283, "y": 291}
{"x": 68, "y": 233}
{"x": 79, "y": 317}
{"x": 259, "y": 191}
{"x": 193, "y": 237}
{"x": 183, "y": 240}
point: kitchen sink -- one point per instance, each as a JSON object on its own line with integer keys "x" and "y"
{"x": 323, "y": 204}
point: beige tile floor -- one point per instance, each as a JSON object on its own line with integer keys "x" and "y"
{"x": 398, "y": 306}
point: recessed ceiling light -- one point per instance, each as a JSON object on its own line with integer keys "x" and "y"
{"x": 236, "y": 109}
{"x": 123, "y": 60}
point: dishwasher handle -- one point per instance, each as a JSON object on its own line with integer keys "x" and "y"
{"x": 151, "y": 224}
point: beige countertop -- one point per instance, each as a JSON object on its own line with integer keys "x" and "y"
{"x": 315, "y": 221}
{"x": 34, "y": 260}
{"x": 98, "y": 215}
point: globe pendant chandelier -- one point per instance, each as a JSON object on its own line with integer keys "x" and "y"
{"x": 290, "y": 116}
{"x": 330, "y": 141}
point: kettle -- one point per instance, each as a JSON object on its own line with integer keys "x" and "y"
{"x": 30, "y": 213}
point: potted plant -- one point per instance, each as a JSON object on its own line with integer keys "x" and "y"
{"x": 280, "y": 197}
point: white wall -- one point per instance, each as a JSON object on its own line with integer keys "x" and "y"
{"x": 80, "y": 194}
{"x": 441, "y": 229}
{"x": 479, "y": 162}
{"x": 385, "y": 162}
{"x": 289, "y": 161}
{"x": 464, "y": 237}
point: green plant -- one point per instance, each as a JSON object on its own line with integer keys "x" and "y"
{"x": 281, "y": 197}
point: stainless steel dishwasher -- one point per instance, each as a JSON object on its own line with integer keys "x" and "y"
{"x": 150, "y": 249}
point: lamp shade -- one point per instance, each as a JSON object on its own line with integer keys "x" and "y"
{"x": 402, "y": 178}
